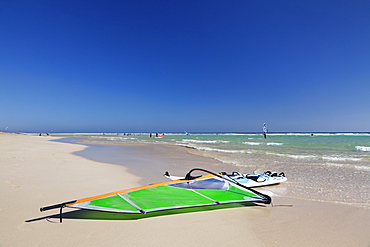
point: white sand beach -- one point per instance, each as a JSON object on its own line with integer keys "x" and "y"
{"x": 36, "y": 172}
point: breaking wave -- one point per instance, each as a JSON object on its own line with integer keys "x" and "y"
{"x": 204, "y": 141}
{"x": 213, "y": 149}
{"x": 362, "y": 148}
{"x": 294, "y": 156}
{"x": 337, "y": 158}
{"x": 252, "y": 143}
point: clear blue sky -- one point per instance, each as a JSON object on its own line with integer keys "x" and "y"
{"x": 202, "y": 65}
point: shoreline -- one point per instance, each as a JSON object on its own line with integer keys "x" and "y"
{"x": 215, "y": 164}
{"x": 310, "y": 211}
{"x": 38, "y": 172}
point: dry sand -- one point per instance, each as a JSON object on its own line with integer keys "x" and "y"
{"x": 35, "y": 172}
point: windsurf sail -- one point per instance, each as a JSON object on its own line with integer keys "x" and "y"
{"x": 264, "y": 128}
{"x": 207, "y": 190}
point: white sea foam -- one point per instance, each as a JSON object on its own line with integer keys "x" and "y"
{"x": 252, "y": 143}
{"x": 197, "y": 141}
{"x": 341, "y": 134}
{"x": 204, "y": 141}
{"x": 220, "y": 150}
{"x": 274, "y": 144}
{"x": 352, "y": 134}
{"x": 294, "y": 156}
{"x": 338, "y": 158}
{"x": 361, "y": 168}
{"x": 213, "y": 149}
{"x": 289, "y": 134}
{"x": 362, "y": 148}
{"x": 116, "y": 138}
{"x": 319, "y": 134}
{"x": 335, "y": 164}
{"x": 331, "y": 158}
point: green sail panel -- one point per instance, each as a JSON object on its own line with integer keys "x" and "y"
{"x": 113, "y": 202}
{"x": 171, "y": 196}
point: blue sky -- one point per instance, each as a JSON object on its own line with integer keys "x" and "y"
{"x": 163, "y": 66}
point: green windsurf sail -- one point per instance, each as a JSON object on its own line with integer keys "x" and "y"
{"x": 212, "y": 189}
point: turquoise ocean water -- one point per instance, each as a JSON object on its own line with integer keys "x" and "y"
{"x": 352, "y": 149}
{"x": 333, "y": 167}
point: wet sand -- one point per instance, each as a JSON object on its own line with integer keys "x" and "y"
{"x": 38, "y": 172}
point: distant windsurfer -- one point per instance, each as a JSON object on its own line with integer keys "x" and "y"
{"x": 264, "y": 128}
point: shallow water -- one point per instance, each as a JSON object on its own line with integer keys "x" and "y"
{"x": 333, "y": 167}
